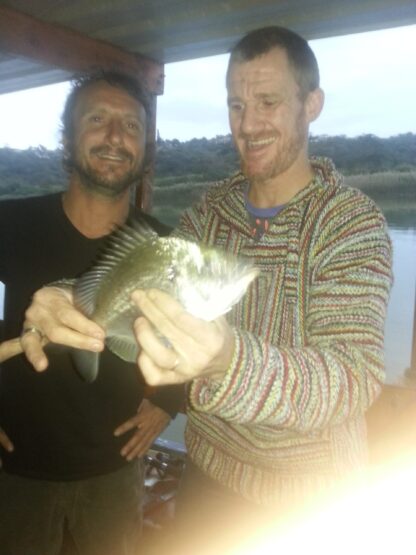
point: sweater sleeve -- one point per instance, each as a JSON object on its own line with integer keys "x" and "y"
{"x": 337, "y": 372}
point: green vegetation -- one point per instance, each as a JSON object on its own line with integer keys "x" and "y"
{"x": 35, "y": 171}
{"x": 383, "y": 168}
{"x": 209, "y": 160}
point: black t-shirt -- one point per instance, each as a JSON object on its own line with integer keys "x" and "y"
{"x": 61, "y": 426}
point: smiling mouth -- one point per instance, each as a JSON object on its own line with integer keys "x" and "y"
{"x": 111, "y": 155}
{"x": 259, "y": 143}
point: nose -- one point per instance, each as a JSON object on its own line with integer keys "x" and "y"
{"x": 114, "y": 132}
{"x": 250, "y": 121}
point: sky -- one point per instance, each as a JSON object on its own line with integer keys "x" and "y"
{"x": 369, "y": 81}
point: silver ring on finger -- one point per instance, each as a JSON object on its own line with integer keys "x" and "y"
{"x": 32, "y": 329}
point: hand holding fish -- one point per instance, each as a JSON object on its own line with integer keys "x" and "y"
{"x": 207, "y": 282}
{"x": 53, "y": 316}
{"x": 149, "y": 422}
{"x": 196, "y": 347}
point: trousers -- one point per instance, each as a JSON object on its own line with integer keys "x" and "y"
{"x": 99, "y": 516}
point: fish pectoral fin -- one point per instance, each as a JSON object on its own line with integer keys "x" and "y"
{"x": 86, "y": 363}
{"x": 125, "y": 348}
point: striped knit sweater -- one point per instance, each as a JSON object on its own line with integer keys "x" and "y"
{"x": 287, "y": 420}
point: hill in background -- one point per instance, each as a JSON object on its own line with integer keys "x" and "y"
{"x": 380, "y": 166}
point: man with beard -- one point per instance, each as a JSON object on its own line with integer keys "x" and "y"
{"x": 278, "y": 389}
{"x": 71, "y": 450}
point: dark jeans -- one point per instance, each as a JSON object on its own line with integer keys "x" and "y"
{"x": 100, "y": 515}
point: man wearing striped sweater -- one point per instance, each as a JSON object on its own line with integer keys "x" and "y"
{"x": 277, "y": 390}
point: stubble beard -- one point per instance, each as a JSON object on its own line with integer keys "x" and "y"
{"x": 110, "y": 185}
{"x": 284, "y": 158}
{"x": 95, "y": 182}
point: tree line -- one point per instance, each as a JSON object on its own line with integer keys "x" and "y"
{"x": 38, "y": 170}
{"x": 211, "y": 159}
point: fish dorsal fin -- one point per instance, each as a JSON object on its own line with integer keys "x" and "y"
{"x": 119, "y": 245}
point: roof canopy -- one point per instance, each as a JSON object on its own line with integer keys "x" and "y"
{"x": 45, "y": 41}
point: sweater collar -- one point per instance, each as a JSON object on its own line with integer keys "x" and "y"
{"x": 228, "y": 197}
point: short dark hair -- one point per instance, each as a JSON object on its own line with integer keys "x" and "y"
{"x": 299, "y": 53}
{"x": 128, "y": 83}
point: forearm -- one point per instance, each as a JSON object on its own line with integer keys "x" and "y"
{"x": 334, "y": 367}
{"x": 9, "y": 349}
{"x": 302, "y": 389}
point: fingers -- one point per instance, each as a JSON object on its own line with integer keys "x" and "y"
{"x": 155, "y": 375}
{"x": 32, "y": 345}
{"x": 52, "y": 313}
{"x": 126, "y": 426}
{"x": 198, "y": 348}
{"x": 133, "y": 447}
{"x": 65, "y": 335}
{"x": 10, "y": 348}
{"x": 129, "y": 448}
{"x": 138, "y": 445}
{"x": 157, "y": 360}
{"x": 149, "y": 422}
{"x": 159, "y": 364}
{"x": 152, "y": 344}
{"x": 166, "y": 314}
{"x": 5, "y": 441}
{"x": 70, "y": 327}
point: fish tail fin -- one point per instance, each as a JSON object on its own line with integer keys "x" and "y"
{"x": 86, "y": 364}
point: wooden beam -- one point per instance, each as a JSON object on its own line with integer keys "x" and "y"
{"x": 144, "y": 192}
{"x": 56, "y": 45}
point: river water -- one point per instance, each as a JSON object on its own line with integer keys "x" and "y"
{"x": 401, "y": 310}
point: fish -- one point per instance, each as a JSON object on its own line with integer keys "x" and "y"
{"x": 207, "y": 281}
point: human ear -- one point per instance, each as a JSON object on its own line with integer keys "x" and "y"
{"x": 65, "y": 148}
{"x": 314, "y": 103}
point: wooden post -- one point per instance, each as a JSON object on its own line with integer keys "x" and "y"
{"x": 144, "y": 190}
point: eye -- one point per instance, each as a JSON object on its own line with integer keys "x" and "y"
{"x": 236, "y": 107}
{"x": 133, "y": 126}
{"x": 269, "y": 103}
{"x": 94, "y": 120}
